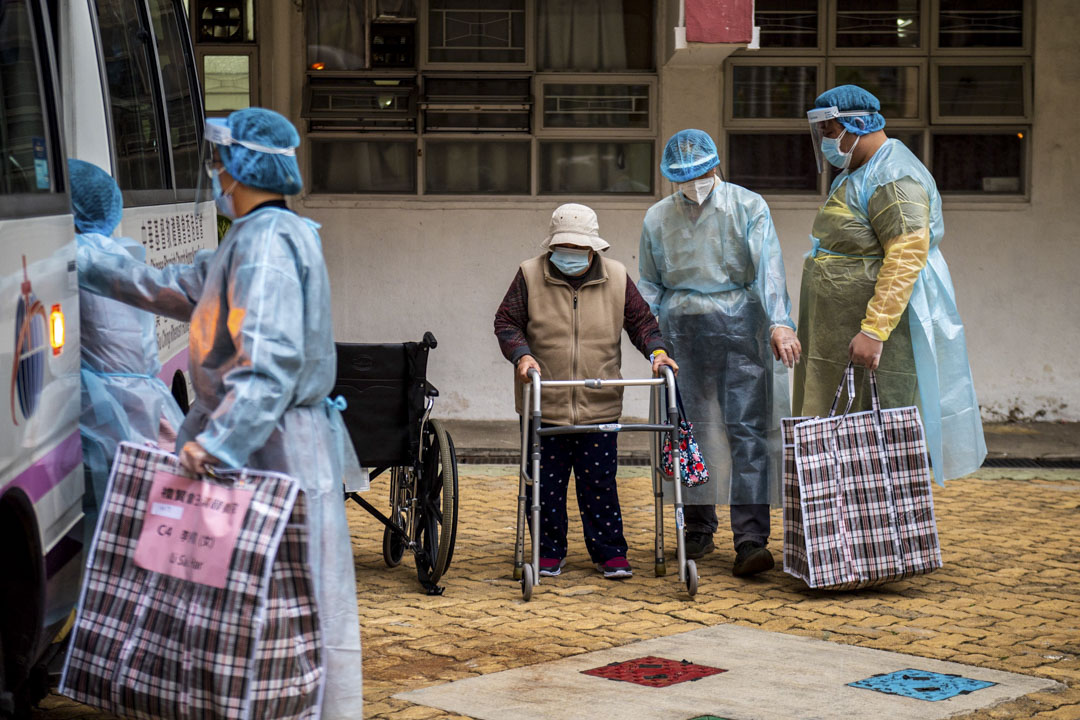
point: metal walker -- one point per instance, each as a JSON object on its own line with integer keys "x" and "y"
{"x": 531, "y": 432}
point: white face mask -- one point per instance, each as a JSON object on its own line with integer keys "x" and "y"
{"x": 697, "y": 190}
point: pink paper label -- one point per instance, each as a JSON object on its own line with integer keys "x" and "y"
{"x": 191, "y": 528}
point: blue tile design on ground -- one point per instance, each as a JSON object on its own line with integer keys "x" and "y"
{"x": 921, "y": 685}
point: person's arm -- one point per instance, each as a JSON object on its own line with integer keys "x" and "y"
{"x": 900, "y": 215}
{"x": 651, "y": 285}
{"x": 771, "y": 281}
{"x": 640, "y": 324}
{"x": 266, "y": 326}
{"x": 171, "y": 291}
{"x": 511, "y": 320}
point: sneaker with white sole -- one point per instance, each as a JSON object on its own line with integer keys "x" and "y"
{"x": 551, "y": 567}
{"x": 615, "y": 568}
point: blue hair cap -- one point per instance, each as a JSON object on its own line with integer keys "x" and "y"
{"x": 96, "y": 201}
{"x": 688, "y": 154}
{"x": 265, "y": 171}
{"x": 848, "y": 98}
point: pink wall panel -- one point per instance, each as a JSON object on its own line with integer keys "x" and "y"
{"x": 719, "y": 21}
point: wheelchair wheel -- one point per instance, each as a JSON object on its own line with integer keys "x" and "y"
{"x": 436, "y": 528}
{"x": 393, "y": 544}
{"x": 393, "y": 547}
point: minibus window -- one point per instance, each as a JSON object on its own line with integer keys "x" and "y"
{"x": 24, "y": 148}
{"x": 176, "y": 67}
{"x": 136, "y": 125}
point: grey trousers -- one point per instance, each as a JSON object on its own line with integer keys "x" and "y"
{"x": 748, "y": 522}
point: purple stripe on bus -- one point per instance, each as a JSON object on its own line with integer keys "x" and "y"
{"x": 49, "y": 471}
{"x": 179, "y": 361}
{"x": 64, "y": 551}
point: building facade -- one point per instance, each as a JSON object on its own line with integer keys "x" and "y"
{"x": 438, "y": 136}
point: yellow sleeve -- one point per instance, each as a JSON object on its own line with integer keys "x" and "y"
{"x": 900, "y": 216}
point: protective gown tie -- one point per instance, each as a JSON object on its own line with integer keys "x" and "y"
{"x": 816, "y": 250}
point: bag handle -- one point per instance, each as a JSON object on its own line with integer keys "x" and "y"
{"x": 678, "y": 402}
{"x": 847, "y": 380}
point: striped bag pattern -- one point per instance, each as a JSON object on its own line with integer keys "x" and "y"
{"x": 148, "y": 645}
{"x": 858, "y": 509}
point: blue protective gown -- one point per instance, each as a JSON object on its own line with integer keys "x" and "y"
{"x": 715, "y": 276}
{"x": 262, "y": 363}
{"x": 122, "y": 397}
{"x": 937, "y": 348}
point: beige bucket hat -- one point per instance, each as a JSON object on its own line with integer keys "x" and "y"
{"x": 574, "y": 224}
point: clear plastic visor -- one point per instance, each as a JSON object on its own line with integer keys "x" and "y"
{"x": 818, "y": 119}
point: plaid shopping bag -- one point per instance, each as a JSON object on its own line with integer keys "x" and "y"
{"x": 858, "y": 509}
{"x": 197, "y": 602}
{"x": 691, "y": 463}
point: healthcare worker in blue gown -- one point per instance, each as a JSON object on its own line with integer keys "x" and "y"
{"x": 122, "y": 397}
{"x": 875, "y": 287}
{"x": 711, "y": 268}
{"x": 263, "y": 359}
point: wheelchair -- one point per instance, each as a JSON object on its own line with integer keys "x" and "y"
{"x": 388, "y": 419}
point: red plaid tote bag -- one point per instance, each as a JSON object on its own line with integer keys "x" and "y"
{"x": 197, "y": 601}
{"x": 858, "y": 509}
{"x": 692, "y": 470}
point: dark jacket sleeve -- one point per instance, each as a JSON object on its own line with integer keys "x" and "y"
{"x": 512, "y": 318}
{"x": 639, "y": 322}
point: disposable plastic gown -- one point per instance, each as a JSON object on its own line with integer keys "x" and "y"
{"x": 122, "y": 397}
{"x": 715, "y": 276}
{"x": 262, "y": 363}
{"x": 874, "y": 260}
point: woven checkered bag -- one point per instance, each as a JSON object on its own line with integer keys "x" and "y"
{"x": 197, "y": 600}
{"x": 864, "y": 498}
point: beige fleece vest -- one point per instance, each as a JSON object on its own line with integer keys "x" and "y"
{"x": 576, "y": 336}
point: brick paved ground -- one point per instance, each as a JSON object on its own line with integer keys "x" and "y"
{"x": 1008, "y": 597}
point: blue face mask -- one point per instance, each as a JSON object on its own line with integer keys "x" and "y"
{"x": 830, "y": 149}
{"x": 223, "y": 201}
{"x": 570, "y": 262}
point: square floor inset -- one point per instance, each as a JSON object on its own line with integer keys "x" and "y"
{"x": 654, "y": 671}
{"x": 921, "y": 685}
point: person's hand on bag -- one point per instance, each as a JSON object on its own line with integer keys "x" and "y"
{"x": 195, "y": 459}
{"x": 786, "y": 346}
{"x": 865, "y": 351}
{"x": 661, "y": 359}
{"x": 526, "y": 363}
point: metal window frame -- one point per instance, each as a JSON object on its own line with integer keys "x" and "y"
{"x": 624, "y": 138}
{"x": 936, "y": 118}
{"x": 423, "y": 55}
{"x": 923, "y": 48}
{"x": 446, "y": 138}
{"x": 803, "y": 129}
{"x": 354, "y": 137}
{"x": 344, "y": 77}
{"x": 475, "y": 103}
{"x": 541, "y": 80}
{"x": 819, "y": 49}
{"x": 250, "y": 50}
{"x": 922, "y": 63}
{"x": 973, "y": 129}
{"x": 1026, "y": 48}
{"x": 730, "y": 121}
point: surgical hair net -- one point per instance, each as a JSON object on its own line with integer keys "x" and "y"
{"x": 266, "y": 171}
{"x": 853, "y": 97}
{"x": 96, "y": 201}
{"x": 687, "y": 155}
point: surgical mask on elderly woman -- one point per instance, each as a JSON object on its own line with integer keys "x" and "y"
{"x": 696, "y": 191}
{"x": 570, "y": 261}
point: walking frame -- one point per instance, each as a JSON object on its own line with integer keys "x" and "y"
{"x": 531, "y": 433}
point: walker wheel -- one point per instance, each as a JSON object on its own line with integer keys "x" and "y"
{"x": 526, "y": 583}
{"x": 691, "y": 578}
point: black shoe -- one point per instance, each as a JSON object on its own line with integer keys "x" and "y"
{"x": 698, "y": 545}
{"x": 751, "y": 558}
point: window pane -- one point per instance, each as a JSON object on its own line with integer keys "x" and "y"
{"x": 772, "y": 162}
{"x": 981, "y": 90}
{"x": 335, "y": 34}
{"x": 477, "y": 168}
{"x": 912, "y": 139}
{"x": 176, "y": 65}
{"x": 877, "y": 24}
{"x": 773, "y": 91}
{"x": 787, "y": 23}
{"x": 225, "y": 21}
{"x": 358, "y": 166}
{"x": 23, "y": 137}
{"x": 981, "y": 23}
{"x": 226, "y": 82}
{"x": 595, "y": 105}
{"x": 596, "y": 167}
{"x": 135, "y": 122}
{"x": 393, "y": 45}
{"x": 980, "y": 163}
{"x": 896, "y": 86}
{"x": 397, "y": 9}
{"x": 461, "y": 33}
{"x": 595, "y": 35}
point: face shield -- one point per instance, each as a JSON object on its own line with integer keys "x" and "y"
{"x": 818, "y": 119}
{"x": 217, "y": 135}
